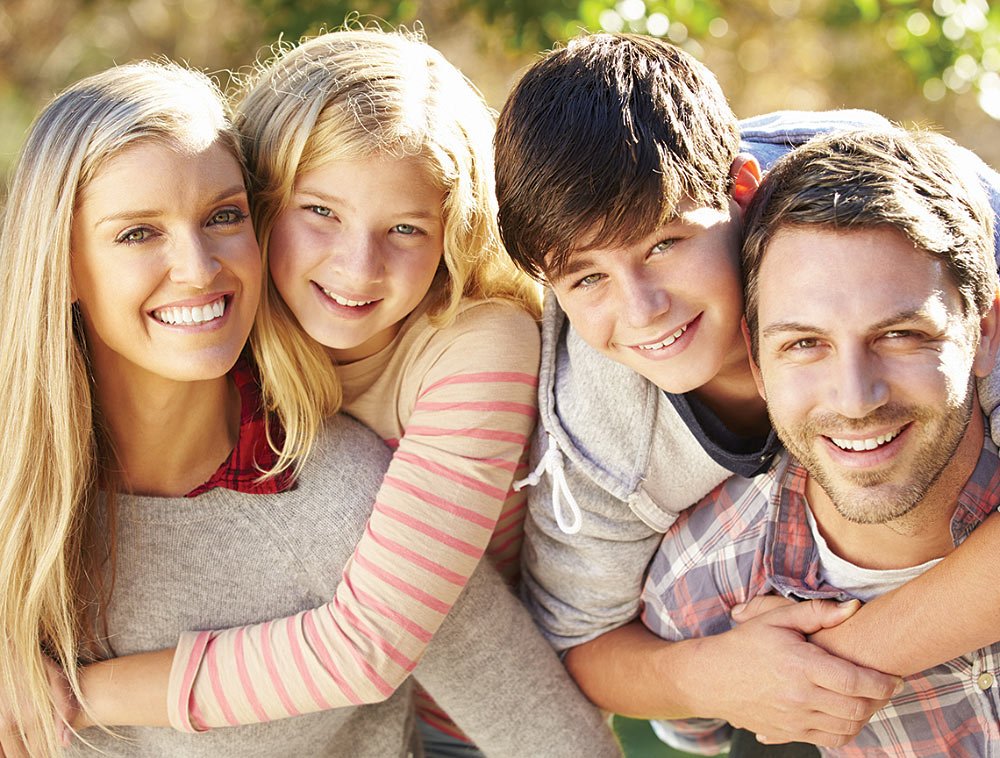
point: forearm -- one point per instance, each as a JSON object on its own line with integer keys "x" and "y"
{"x": 633, "y": 672}
{"x": 127, "y": 691}
{"x": 948, "y": 611}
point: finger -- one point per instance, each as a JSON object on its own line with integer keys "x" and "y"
{"x": 845, "y": 678}
{"x": 810, "y": 616}
{"x": 756, "y": 606}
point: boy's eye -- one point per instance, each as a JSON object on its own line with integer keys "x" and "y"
{"x": 406, "y": 229}
{"x": 134, "y": 236}
{"x": 589, "y": 280}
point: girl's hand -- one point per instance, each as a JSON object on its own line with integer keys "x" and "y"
{"x": 14, "y": 744}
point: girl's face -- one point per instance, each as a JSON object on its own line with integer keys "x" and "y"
{"x": 356, "y": 250}
{"x": 165, "y": 265}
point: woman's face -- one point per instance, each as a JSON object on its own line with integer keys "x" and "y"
{"x": 165, "y": 266}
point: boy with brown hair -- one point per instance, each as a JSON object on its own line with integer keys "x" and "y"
{"x": 622, "y": 178}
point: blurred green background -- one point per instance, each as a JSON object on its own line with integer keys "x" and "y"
{"x": 932, "y": 62}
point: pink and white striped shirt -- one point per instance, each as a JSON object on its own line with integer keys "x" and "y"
{"x": 457, "y": 405}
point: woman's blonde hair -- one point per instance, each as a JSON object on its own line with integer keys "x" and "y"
{"x": 54, "y": 457}
{"x": 350, "y": 95}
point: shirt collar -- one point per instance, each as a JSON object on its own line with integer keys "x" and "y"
{"x": 790, "y": 555}
{"x": 252, "y": 455}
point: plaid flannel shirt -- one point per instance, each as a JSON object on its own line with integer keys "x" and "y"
{"x": 252, "y": 454}
{"x": 751, "y": 537}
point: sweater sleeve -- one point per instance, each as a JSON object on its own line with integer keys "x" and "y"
{"x": 473, "y": 401}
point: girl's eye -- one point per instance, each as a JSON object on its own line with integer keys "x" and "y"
{"x": 320, "y": 210}
{"x": 406, "y": 229}
{"x": 134, "y": 236}
{"x": 663, "y": 246}
{"x": 227, "y": 216}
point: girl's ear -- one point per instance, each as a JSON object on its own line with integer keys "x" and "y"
{"x": 745, "y": 173}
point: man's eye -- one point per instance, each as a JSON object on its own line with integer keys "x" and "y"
{"x": 663, "y": 246}
{"x": 805, "y": 344}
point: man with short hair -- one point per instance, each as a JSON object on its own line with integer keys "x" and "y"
{"x": 872, "y": 307}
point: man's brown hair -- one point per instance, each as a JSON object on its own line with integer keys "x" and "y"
{"x": 914, "y": 182}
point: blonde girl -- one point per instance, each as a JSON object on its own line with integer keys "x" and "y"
{"x": 390, "y": 296}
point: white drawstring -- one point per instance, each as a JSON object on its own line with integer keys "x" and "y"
{"x": 552, "y": 464}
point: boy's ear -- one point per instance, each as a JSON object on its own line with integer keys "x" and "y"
{"x": 989, "y": 340}
{"x": 754, "y": 368}
{"x": 745, "y": 173}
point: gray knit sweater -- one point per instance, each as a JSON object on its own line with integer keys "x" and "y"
{"x": 226, "y": 558}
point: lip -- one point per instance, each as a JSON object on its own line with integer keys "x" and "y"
{"x": 345, "y": 311}
{"x": 866, "y": 459}
{"x": 201, "y": 300}
{"x": 669, "y": 351}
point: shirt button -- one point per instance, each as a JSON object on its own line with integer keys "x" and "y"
{"x": 985, "y": 681}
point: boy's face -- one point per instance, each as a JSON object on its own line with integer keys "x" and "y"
{"x": 668, "y": 306}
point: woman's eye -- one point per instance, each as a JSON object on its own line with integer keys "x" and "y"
{"x": 320, "y": 210}
{"x": 228, "y": 216}
{"x": 134, "y": 236}
{"x": 406, "y": 229}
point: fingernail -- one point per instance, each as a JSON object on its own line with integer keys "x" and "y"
{"x": 761, "y": 738}
{"x": 738, "y": 608}
{"x": 848, "y": 603}
{"x": 900, "y": 686}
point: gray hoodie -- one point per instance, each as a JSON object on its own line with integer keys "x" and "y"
{"x": 615, "y": 463}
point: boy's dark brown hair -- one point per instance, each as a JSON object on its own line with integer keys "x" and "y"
{"x": 601, "y": 141}
{"x": 914, "y": 182}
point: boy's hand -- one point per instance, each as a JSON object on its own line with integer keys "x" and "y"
{"x": 32, "y": 743}
{"x": 803, "y": 694}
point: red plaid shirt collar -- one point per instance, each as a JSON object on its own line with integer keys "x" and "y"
{"x": 252, "y": 455}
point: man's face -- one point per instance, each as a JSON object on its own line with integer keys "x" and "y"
{"x": 866, "y": 361}
{"x": 668, "y": 306}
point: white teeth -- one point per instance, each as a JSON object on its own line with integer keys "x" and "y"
{"x": 343, "y": 300}
{"x": 665, "y": 343}
{"x": 867, "y": 444}
{"x": 197, "y": 314}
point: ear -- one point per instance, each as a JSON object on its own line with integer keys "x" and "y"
{"x": 754, "y": 368}
{"x": 989, "y": 340}
{"x": 745, "y": 173}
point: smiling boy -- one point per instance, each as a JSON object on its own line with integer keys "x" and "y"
{"x": 622, "y": 181}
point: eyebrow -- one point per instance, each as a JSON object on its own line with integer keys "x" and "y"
{"x": 334, "y": 200}
{"x": 236, "y": 189}
{"x": 783, "y": 327}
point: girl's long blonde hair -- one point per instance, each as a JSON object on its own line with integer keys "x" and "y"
{"x": 349, "y": 95}
{"x": 53, "y": 457}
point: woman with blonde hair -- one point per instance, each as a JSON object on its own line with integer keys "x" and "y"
{"x": 231, "y": 556}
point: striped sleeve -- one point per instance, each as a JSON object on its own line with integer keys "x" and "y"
{"x": 447, "y": 486}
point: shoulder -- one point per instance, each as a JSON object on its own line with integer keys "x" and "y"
{"x": 484, "y": 335}
{"x": 347, "y": 457}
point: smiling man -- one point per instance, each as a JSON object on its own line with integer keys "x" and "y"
{"x": 871, "y": 309}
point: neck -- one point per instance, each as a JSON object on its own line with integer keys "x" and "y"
{"x": 733, "y": 397}
{"x": 922, "y": 534}
{"x": 168, "y": 436}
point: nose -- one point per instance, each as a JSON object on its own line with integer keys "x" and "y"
{"x": 856, "y": 384}
{"x": 194, "y": 261}
{"x": 359, "y": 259}
{"x": 644, "y": 300}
